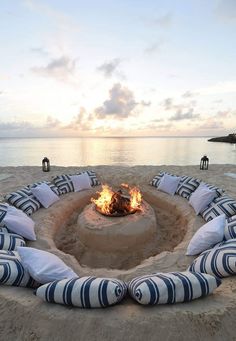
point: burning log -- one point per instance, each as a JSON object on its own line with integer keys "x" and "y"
{"x": 119, "y": 204}
{"x": 115, "y": 203}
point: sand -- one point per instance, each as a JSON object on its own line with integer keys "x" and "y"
{"x": 26, "y": 317}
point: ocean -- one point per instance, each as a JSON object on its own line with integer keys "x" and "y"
{"x": 127, "y": 151}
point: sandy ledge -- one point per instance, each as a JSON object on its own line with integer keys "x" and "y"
{"x": 25, "y": 317}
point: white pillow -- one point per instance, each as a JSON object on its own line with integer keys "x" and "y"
{"x": 44, "y": 266}
{"x": 80, "y": 182}
{"x": 45, "y": 195}
{"x": 169, "y": 184}
{"x": 17, "y": 221}
{"x": 207, "y": 236}
{"x": 201, "y": 198}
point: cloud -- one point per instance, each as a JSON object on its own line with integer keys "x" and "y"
{"x": 109, "y": 68}
{"x": 155, "y": 47}
{"x": 211, "y": 124}
{"x": 188, "y": 94}
{"x": 82, "y": 121}
{"x": 60, "y": 18}
{"x": 62, "y": 69}
{"x": 145, "y": 104}
{"x": 223, "y": 113}
{"x": 52, "y": 123}
{"x": 168, "y": 103}
{"x": 15, "y": 126}
{"x": 179, "y": 115}
{"x": 121, "y": 103}
{"x": 40, "y": 51}
{"x": 163, "y": 21}
{"x": 227, "y": 9}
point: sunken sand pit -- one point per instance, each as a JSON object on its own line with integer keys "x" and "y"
{"x": 171, "y": 223}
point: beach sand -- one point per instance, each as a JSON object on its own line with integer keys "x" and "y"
{"x": 26, "y": 317}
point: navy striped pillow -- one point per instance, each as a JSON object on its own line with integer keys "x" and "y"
{"x": 172, "y": 287}
{"x": 156, "y": 180}
{"x": 219, "y": 261}
{"x": 24, "y": 200}
{"x": 230, "y": 228}
{"x": 221, "y": 205}
{"x": 3, "y": 211}
{"x": 84, "y": 292}
{"x": 12, "y": 271}
{"x": 53, "y": 187}
{"x": 4, "y": 229}
{"x": 65, "y": 185}
{"x": 10, "y": 241}
{"x": 187, "y": 186}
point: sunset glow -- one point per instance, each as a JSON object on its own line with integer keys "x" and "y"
{"x": 127, "y": 68}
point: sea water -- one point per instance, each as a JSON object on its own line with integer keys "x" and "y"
{"x": 126, "y": 151}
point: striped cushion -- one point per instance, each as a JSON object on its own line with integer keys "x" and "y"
{"x": 187, "y": 186}
{"x": 12, "y": 271}
{"x": 84, "y": 292}
{"x": 24, "y": 200}
{"x": 230, "y": 228}
{"x": 10, "y": 241}
{"x": 4, "y": 229}
{"x": 53, "y": 187}
{"x": 65, "y": 185}
{"x": 219, "y": 261}
{"x": 173, "y": 287}
{"x": 3, "y": 211}
{"x": 156, "y": 180}
{"x": 219, "y": 191}
{"x": 222, "y": 205}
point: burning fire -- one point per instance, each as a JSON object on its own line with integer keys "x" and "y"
{"x": 110, "y": 202}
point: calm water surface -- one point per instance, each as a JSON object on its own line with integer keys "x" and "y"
{"x": 113, "y": 151}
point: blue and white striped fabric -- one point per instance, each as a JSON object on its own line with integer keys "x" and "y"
{"x": 53, "y": 187}
{"x": 65, "y": 185}
{"x": 221, "y": 205}
{"x": 219, "y": 191}
{"x": 84, "y": 292}
{"x": 12, "y": 271}
{"x": 230, "y": 228}
{"x": 219, "y": 261}
{"x": 156, "y": 180}
{"x": 10, "y": 241}
{"x": 24, "y": 200}
{"x": 3, "y": 211}
{"x": 4, "y": 229}
{"x": 172, "y": 287}
{"x": 187, "y": 186}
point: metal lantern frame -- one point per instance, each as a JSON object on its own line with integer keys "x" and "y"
{"x": 45, "y": 164}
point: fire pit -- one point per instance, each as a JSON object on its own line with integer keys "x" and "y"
{"x": 116, "y": 230}
{"x": 115, "y": 204}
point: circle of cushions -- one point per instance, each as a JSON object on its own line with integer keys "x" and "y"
{"x": 170, "y": 288}
{"x": 219, "y": 261}
{"x": 84, "y": 292}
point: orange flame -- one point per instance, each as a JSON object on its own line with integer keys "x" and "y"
{"x": 104, "y": 200}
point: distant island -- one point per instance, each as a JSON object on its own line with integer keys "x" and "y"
{"x": 231, "y": 138}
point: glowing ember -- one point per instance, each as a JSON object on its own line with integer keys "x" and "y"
{"x": 115, "y": 204}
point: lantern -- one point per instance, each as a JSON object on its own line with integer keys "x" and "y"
{"x": 45, "y": 164}
{"x": 204, "y": 163}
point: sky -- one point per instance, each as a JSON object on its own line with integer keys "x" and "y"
{"x": 117, "y": 68}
